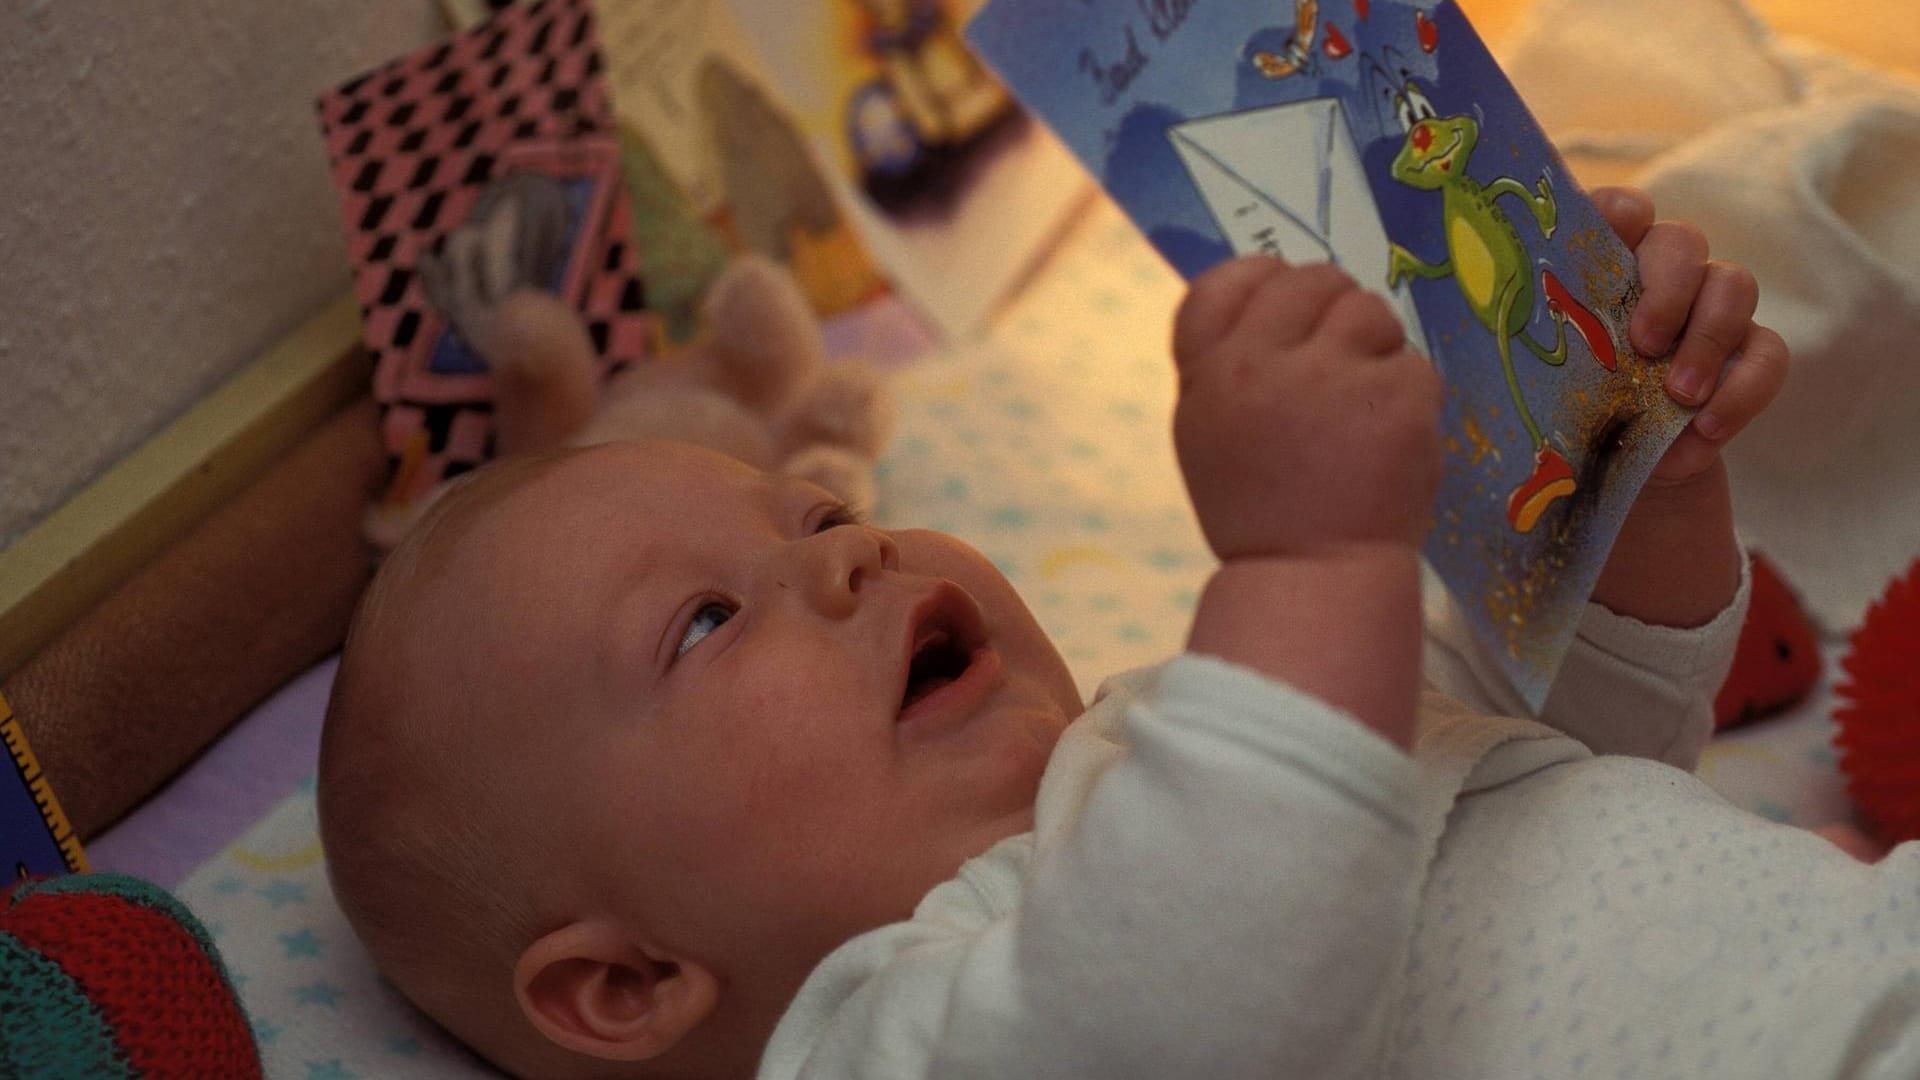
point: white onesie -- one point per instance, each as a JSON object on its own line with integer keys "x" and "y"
{"x": 1230, "y": 878}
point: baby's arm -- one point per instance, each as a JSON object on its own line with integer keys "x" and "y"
{"x": 1222, "y": 884}
{"x": 1624, "y": 687}
{"x": 1676, "y": 561}
{"x": 1237, "y": 894}
{"x": 1224, "y": 869}
{"x": 1666, "y": 613}
{"x": 1308, "y": 434}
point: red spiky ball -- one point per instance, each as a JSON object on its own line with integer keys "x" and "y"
{"x": 1879, "y": 720}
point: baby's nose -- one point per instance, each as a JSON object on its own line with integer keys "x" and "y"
{"x": 835, "y": 565}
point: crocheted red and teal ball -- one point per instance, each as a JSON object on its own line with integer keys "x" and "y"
{"x": 104, "y": 975}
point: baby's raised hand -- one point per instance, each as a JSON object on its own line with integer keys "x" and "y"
{"x": 1700, "y": 309}
{"x": 1305, "y": 423}
{"x": 1675, "y": 561}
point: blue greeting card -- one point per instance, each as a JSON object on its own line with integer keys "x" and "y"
{"x": 1380, "y": 135}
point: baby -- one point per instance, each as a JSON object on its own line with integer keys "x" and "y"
{"x": 643, "y": 763}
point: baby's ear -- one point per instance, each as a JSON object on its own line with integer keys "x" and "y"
{"x": 591, "y": 988}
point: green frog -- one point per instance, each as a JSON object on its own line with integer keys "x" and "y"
{"x": 1493, "y": 270}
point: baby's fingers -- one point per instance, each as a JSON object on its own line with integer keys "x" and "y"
{"x": 1288, "y": 308}
{"x": 1363, "y": 322}
{"x": 1752, "y": 380}
{"x": 1673, "y": 264}
{"x": 1719, "y": 322}
{"x": 1215, "y": 303}
{"x": 1627, "y": 209}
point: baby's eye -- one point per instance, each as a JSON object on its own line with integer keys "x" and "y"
{"x": 708, "y": 618}
{"x": 835, "y": 515}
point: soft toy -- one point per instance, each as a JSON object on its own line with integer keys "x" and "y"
{"x": 107, "y": 975}
{"x": 756, "y": 385}
{"x": 1777, "y": 662}
{"x": 1877, "y": 723}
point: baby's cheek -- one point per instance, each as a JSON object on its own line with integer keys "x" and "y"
{"x": 1027, "y": 652}
{"x": 1030, "y": 655}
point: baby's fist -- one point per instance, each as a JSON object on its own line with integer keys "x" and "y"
{"x": 1700, "y": 311}
{"x": 1305, "y": 422}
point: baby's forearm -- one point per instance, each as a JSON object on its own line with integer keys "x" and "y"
{"x": 1343, "y": 626}
{"x": 1676, "y": 561}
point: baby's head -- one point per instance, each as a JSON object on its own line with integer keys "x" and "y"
{"x": 626, "y": 739}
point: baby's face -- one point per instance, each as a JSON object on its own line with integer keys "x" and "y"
{"x": 754, "y": 725}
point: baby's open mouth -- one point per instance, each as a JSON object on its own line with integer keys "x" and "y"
{"x": 937, "y": 660}
{"x": 947, "y": 640}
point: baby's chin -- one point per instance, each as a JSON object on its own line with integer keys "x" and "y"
{"x": 1002, "y": 781}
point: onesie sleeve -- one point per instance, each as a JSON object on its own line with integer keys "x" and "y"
{"x": 1625, "y": 686}
{"x": 1233, "y": 897}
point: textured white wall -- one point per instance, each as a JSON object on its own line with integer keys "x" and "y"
{"x": 165, "y": 210}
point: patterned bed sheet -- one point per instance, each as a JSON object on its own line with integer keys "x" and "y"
{"x": 1045, "y": 445}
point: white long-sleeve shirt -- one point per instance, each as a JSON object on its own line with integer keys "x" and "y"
{"x": 1230, "y": 878}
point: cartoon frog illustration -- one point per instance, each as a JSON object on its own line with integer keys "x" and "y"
{"x": 1493, "y": 270}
